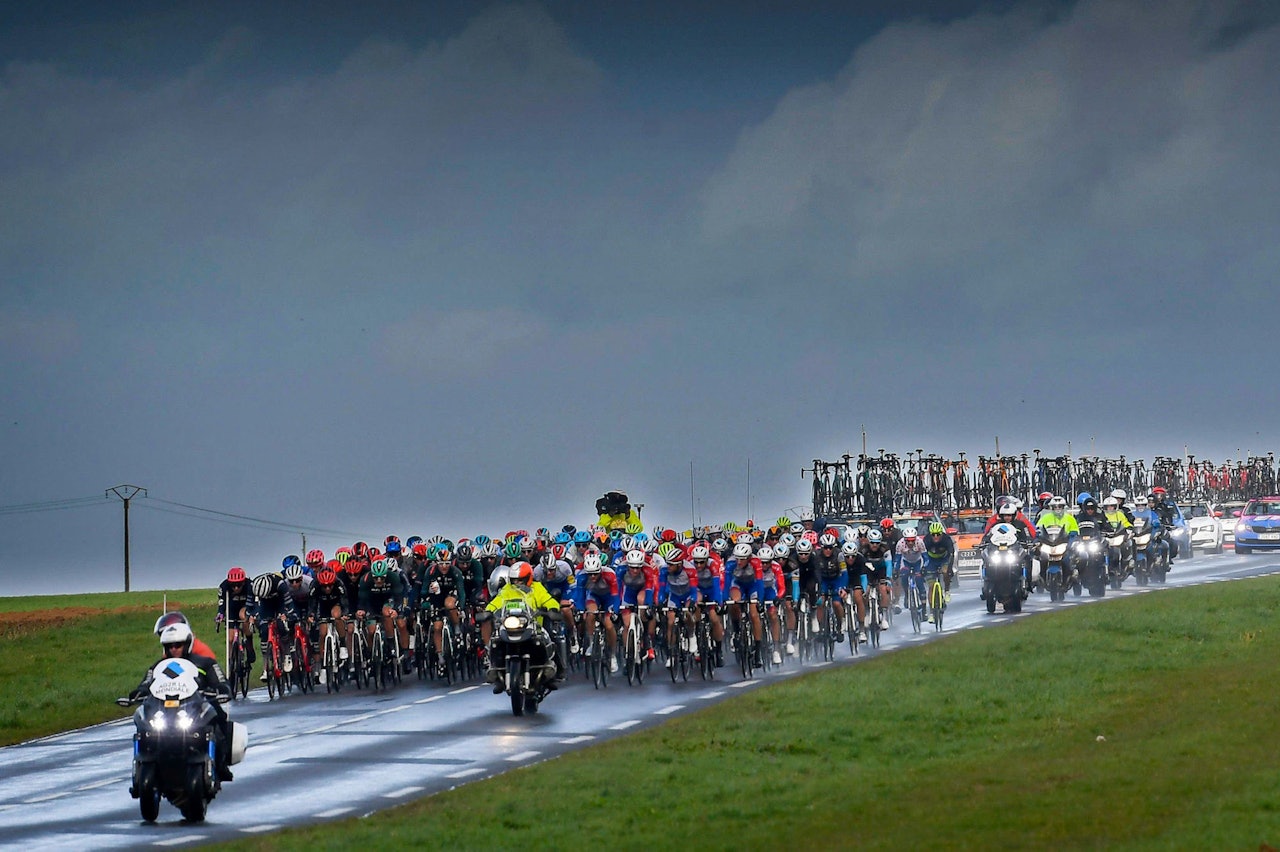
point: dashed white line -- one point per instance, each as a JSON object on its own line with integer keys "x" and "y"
{"x": 321, "y": 730}
{"x": 333, "y": 813}
{"x": 666, "y": 711}
{"x": 400, "y": 794}
{"x": 465, "y": 773}
{"x": 396, "y": 709}
{"x": 96, "y": 784}
{"x": 522, "y": 756}
{"x": 258, "y": 829}
{"x": 362, "y": 717}
{"x": 175, "y": 841}
{"x": 428, "y": 699}
{"x": 579, "y": 739}
{"x": 743, "y": 683}
{"x": 47, "y": 797}
{"x": 715, "y": 694}
{"x": 463, "y": 689}
{"x": 622, "y": 726}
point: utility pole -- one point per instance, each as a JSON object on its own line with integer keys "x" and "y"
{"x": 693, "y": 516}
{"x": 126, "y": 493}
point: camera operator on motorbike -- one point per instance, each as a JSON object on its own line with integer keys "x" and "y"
{"x": 176, "y": 640}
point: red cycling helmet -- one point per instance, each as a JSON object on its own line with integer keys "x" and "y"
{"x": 886, "y": 523}
{"x": 236, "y": 575}
{"x": 1044, "y": 497}
{"x": 334, "y": 565}
{"x": 326, "y": 577}
{"x": 1158, "y": 490}
{"x": 315, "y": 557}
{"x": 420, "y": 550}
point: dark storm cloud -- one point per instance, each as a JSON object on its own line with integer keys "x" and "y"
{"x": 475, "y": 277}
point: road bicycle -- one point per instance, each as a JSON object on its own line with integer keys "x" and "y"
{"x": 635, "y": 647}
{"x": 937, "y": 598}
{"x": 273, "y": 662}
{"x": 331, "y": 656}
{"x": 237, "y": 659}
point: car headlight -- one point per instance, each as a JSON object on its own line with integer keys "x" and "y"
{"x": 1242, "y": 527}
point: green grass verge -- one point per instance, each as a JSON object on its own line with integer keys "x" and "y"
{"x": 63, "y": 666}
{"x": 986, "y": 740}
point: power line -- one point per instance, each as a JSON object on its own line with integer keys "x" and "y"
{"x": 50, "y": 505}
{"x": 279, "y": 524}
{"x": 248, "y": 524}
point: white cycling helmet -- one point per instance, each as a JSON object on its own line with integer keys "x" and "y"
{"x": 806, "y": 514}
{"x": 591, "y": 564}
{"x": 788, "y": 539}
{"x": 765, "y": 554}
{"x": 875, "y": 536}
{"x": 826, "y": 540}
{"x": 797, "y": 528}
{"x": 849, "y": 548}
{"x": 910, "y": 533}
{"x": 635, "y": 558}
{"x": 742, "y": 550}
{"x": 700, "y": 552}
{"x": 804, "y": 545}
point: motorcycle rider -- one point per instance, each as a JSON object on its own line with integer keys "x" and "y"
{"x": 176, "y": 617}
{"x": 1056, "y": 514}
{"x": 522, "y": 586}
{"x": 176, "y": 640}
{"x": 1170, "y": 519}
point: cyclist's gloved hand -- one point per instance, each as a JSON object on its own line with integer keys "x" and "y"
{"x": 219, "y": 618}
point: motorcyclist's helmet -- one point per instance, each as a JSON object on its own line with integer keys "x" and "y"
{"x": 1121, "y": 495}
{"x": 1058, "y": 505}
{"x": 1083, "y": 497}
{"x": 1089, "y": 505}
{"x": 177, "y": 635}
{"x": 522, "y": 574}
{"x": 1110, "y": 504}
{"x": 1043, "y": 498}
{"x": 169, "y": 618}
{"x": 1006, "y": 509}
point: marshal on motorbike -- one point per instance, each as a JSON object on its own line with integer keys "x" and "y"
{"x": 1002, "y": 570}
{"x": 522, "y": 655}
{"x": 1088, "y": 554}
{"x": 174, "y": 743}
{"x": 1053, "y": 559}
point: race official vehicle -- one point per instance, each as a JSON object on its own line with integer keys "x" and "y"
{"x": 1204, "y": 523}
{"x": 1259, "y": 526}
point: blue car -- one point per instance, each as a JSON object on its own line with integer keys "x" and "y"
{"x": 1259, "y": 526}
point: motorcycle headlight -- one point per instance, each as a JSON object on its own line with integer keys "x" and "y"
{"x": 184, "y": 721}
{"x": 513, "y": 622}
{"x": 158, "y": 722}
{"x": 1093, "y": 547}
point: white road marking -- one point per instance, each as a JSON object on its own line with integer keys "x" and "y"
{"x": 258, "y": 829}
{"x": 463, "y": 689}
{"x": 47, "y": 797}
{"x": 321, "y": 730}
{"x": 743, "y": 683}
{"x": 665, "y": 711}
{"x": 622, "y": 726}
{"x": 715, "y": 694}
{"x": 575, "y": 740}
{"x": 333, "y": 813}
{"x": 429, "y": 699}
{"x": 396, "y": 709}
{"x": 400, "y": 794}
{"x": 362, "y": 717}
{"x": 465, "y": 773}
{"x": 96, "y": 784}
{"x": 174, "y": 841}
{"x": 524, "y": 755}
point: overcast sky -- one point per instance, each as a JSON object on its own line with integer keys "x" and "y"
{"x": 458, "y": 267}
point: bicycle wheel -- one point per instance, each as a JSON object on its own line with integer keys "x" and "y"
{"x": 630, "y": 653}
{"x": 913, "y": 603}
{"x": 873, "y": 617}
{"x": 744, "y": 646}
{"x": 851, "y": 626}
{"x": 447, "y": 653}
{"x": 937, "y": 604}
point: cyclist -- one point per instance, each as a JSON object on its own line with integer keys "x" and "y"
{"x": 709, "y": 571}
{"x": 830, "y": 578}
{"x": 677, "y": 592}
{"x": 177, "y": 642}
{"x": 274, "y": 604}
{"x": 442, "y": 588}
{"x": 892, "y": 535}
{"x": 745, "y": 578}
{"x": 638, "y": 584}
{"x": 771, "y": 589}
{"x": 329, "y": 601}
{"x": 235, "y": 603}
{"x": 910, "y": 564}
{"x": 314, "y": 562}
{"x": 382, "y": 591}
{"x": 299, "y": 585}
{"x": 878, "y": 568}
{"x": 789, "y": 591}
{"x": 596, "y": 596}
{"x": 464, "y": 559}
{"x": 939, "y": 554}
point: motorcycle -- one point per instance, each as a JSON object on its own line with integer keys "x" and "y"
{"x": 1147, "y": 556}
{"x": 1002, "y": 575}
{"x": 522, "y": 655}
{"x": 1089, "y": 556}
{"x": 1053, "y": 556}
{"x": 1117, "y": 557}
{"x": 174, "y": 746}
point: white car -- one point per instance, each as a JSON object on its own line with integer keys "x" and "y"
{"x": 1206, "y": 525}
{"x": 1229, "y": 514}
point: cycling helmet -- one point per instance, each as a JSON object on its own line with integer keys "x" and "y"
{"x": 591, "y": 563}
{"x": 744, "y": 538}
{"x": 730, "y": 527}
{"x": 639, "y": 538}
{"x": 326, "y": 577}
{"x": 315, "y": 557}
{"x": 936, "y": 528}
{"x": 393, "y": 548}
{"x": 513, "y": 549}
{"x": 700, "y": 553}
{"x": 563, "y": 538}
{"x": 481, "y": 540}
{"x": 849, "y": 548}
{"x": 781, "y": 550}
{"x": 783, "y": 521}
{"x": 489, "y": 551}
{"x": 625, "y": 543}
{"x": 765, "y": 554}
{"x": 343, "y": 554}
{"x": 635, "y": 558}
{"x": 386, "y": 541}
{"x": 463, "y": 552}
{"x": 863, "y": 529}
{"x": 557, "y": 552}
{"x": 435, "y": 539}
{"x": 581, "y": 537}
{"x": 633, "y": 527}
{"x": 720, "y": 545}
{"x": 167, "y": 619}
{"x": 378, "y": 568}
{"x": 353, "y": 567}
{"x": 797, "y": 528}
{"x": 827, "y": 540}
{"x": 290, "y": 560}
{"x": 177, "y": 634}
{"x": 886, "y": 524}
{"x": 875, "y": 537}
{"x": 806, "y": 514}
{"x": 742, "y": 550}
{"x": 910, "y": 533}
{"x": 1003, "y": 534}
{"x": 264, "y": 586}
{"x": 1083, "y": 497}
{"x": 293, "y": 572}
{"x": 804, "y": 545}
{"x": 420, "y": 550}
{"x": 360, "y": 549}
{"x": 411, "y": 541}
{"x": 650, "y": 546}
{"x": 667, "y": 550}
{"x": 374, "y": 553}
{"x": 235, "y": 575}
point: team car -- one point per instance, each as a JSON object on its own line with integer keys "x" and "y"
{"x": 1259, "y": 526}
{"x": 1204, "y": 523}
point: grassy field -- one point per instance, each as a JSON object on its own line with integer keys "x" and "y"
{"x": 1148, "y": 723}
{"x": 64, "y": 659}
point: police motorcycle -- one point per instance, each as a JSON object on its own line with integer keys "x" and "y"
{"x": 1053, "y": 561}
{"x": 1147, "y": 556}
{"x": 523, "y": 655}
{"x": 1089, "y": 556}
{"x": 175, "y": 742}
{"x": 1117, "y": 552}
{"x": 1002, "y": 572}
